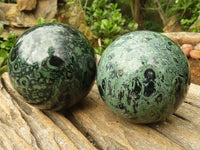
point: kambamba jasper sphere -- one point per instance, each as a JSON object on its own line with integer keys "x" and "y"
{"x": 52, "y": 66}
{"x": 143, "y": 76}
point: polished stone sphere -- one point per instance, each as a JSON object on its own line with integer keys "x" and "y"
{"x": 143, "y": 76}
{"x": 52, "y": 66}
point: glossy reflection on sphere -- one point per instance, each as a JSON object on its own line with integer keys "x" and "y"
{"x": 143, "y": 76}
{"x": 52, "y": 66}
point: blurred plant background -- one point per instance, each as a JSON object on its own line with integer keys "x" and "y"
{"x": 102, "y": 21}
{"x": 109, "y": 19}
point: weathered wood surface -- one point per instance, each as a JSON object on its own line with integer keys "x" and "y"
{"x": 25, "y": 127}
{"x": 184, "y": 37}
{"x": 91, "y": 125}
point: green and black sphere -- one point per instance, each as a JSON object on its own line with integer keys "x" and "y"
{"x": 52, "y": 66}
{"x": 143, "y": 76}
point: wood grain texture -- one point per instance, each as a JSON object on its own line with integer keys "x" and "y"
{"x": 25, "y": 127}
{"x": 112, "y": 132}
{"x": 184, "y": 37}
{"x": 92, "y": 125}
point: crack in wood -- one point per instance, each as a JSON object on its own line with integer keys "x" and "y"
{"x": 82, "y": 129}
{"x": 195, "y": 105}
{"x": 92, "y": 122}
{"x": 155, "y": 126}
{"x": 181, "y": 117}
{"x": 13, "y": 116}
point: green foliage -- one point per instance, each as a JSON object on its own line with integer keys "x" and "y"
{"x": 189, "y": 10}
{"x": 5, "y": 46}
{"x": 195, "y": 29}
{"x": 107, "y": 23}
{"x": 9, "y": 1}
{"x": 152, "y": 26}
{"x": 184, "y": 7}
{"x": 1, "y": 28}
{"x": 195, "y": 12}
{"x": 42, "y": 20}
{"x": 70, "y": 1}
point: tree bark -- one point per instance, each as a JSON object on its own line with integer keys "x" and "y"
{"x": 136, "y": 13}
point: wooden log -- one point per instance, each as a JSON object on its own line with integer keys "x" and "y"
{"x": 184, "y": 37}
{"x": 110, "y": 131}
{"x": 92, "y": 125}
{"x": 25, "y": 127}
{"x": 193, "y": 96}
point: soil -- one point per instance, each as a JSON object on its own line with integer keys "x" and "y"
{"x": 195, "y": 70}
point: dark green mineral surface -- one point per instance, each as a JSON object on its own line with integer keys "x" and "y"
{"x": 52, "y": 66}
{"x": 143, "y": 76}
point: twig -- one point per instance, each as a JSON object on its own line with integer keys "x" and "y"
{"x": 99, "y": 42}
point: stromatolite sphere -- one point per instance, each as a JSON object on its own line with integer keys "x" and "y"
{"x": 52, "y": 66}
{"x": 143, "y": 76}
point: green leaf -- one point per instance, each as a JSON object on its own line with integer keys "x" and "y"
{"x": 41, "y": 20}
{"x": 3, "y": 53}
{"x": 1, "y": 28}
{"x": 3, "y": 69}
{"x": 1, "y": 61}
{"x": 53, "y": 20}
{"x": 99, "y": 50}
{"x": 98, "y": 13}
{"x": 115, "y": 29}
{"x": 105, "y": 24}
{"x": 133, "y": 26}
{"x": 108, "y": 41}
{"x": 3, "y": 57}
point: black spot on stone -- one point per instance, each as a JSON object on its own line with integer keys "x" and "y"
{"x": 162, "y": 78}
{"x": 24, "y": 82}
{"x": 111, "y": 55}
{"x": 120, "y": 72}
{"x": 169, "y": 48}
{"x": 121, "y": 95}
{"x": 16, "y": 66}
{"x": 56, "y": 61}
{"x": 113, "y": 74}
{"x": 134, "y": 108}
{"x": 158, "y": 98}
{"x": 129, "y": 97}
{"x": 125, "y": 86}
{"x": 148, "y": 39}
{"x": 178, "y": 83}
{"x": 109, "y": 66}
{"x": 149, "y": 74}
{"x": 121, "y": 106}
{"x": 175, "y": 60}
{"x": 170, "y": 43}
{"x": 69, "y": 74}
{"x": 138, "y": 86}
{"x": 103, "y": 84}
{"x": 149, "y": 89}
{"x": 109, "y": 88}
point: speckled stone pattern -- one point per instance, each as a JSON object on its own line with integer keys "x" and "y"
{"x": 143, "y": 76}
{"x": 52, "y": 66}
